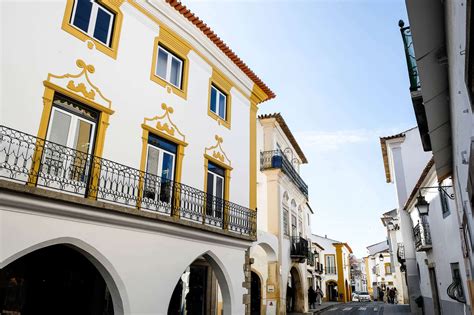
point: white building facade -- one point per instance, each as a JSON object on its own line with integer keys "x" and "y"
{"x": 282, "y": 258}
{"x": 128, "y": 149}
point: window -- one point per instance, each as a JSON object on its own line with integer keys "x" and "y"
{"x": 388, "y": 269}
{"x": 71, "y": 125}
{"x": 218, "y": 102}
{"x": 294, "y": 231}
{"x": 455, "y": 289}
{"x": 444, "y": 204}
{"x": 160, "y": 168}
{"x": 93, "y": 19}
{"x": 286, "y": 224}
{"x": 330, "y": 264}
{"x": 215, "y": 190}
{"x": 169, "y": 67}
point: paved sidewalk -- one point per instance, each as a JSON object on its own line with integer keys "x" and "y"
{"x": 323, "y": 306}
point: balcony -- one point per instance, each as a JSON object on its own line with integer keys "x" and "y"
{"x": 276, "y": 159}
{"x": 311, "y": 257}
{"x": 422, "y": 236}
{"x": 330, "y": 270}
{"x": 36, "y": 162}
{"x": 319, "y": 268}
{"x": 299, "y": 248}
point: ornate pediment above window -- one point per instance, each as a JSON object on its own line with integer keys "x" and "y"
{"x": 80, "y": 85}
{"x": 217, "y": 153}
{"x": 163, "y": 125}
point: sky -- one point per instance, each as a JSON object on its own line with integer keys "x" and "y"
{"x": 339, "y": 72}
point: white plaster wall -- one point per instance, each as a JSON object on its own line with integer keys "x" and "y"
{"x": 146, "y": 264}
{"x": 461, "y": 108}
{"x": 31, "y": 52}
{"x": 446, "y": 240}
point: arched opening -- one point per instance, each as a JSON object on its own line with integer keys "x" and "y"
{"x": 294, "y": 292}
{"x": 255, "y": 294}
{"x": 201, "y": 289}
{"x": 331, "y": 291}
{"x": 57, "y": 279}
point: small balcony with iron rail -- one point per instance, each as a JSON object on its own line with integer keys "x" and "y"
{"x": 276, "y": 159}
{"x": 311, "y": 258}
{"x": 38, "y": 163}
{"x": 299, "y": 248}
{"x": 422, "y": 236}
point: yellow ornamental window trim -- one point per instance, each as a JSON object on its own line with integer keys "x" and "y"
{"x": 164, "y": 127}
{"x": 111, "y": 5}
{"x": 219, "y": 80}
{"x": 177, "y": 46}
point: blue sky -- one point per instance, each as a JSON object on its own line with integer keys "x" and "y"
{"x": 339, "y": 72}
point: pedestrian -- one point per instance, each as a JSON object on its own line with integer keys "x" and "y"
{"x": 319, "y": 295}
{"x": 311, "y": 297}
{"x": 395, "y": 295}
{"x": 381, "y": 294}
{"x": 392, "y": 296}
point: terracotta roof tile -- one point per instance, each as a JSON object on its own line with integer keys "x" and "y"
{"x": 190, "y": 16}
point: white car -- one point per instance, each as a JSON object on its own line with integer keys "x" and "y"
{"x": 361, "y": 297}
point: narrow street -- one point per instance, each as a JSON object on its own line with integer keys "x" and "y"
{"x": 367, "y": 308}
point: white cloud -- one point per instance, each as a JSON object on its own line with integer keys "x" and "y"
{"x": 332, "y": 140}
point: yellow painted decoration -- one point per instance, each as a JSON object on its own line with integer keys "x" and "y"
{"x": 165, "y": 124}
{"x": 217, "y": 152}
{"x": 81, "y": 88}
{"x": 86, "y": 87}
{"x": 219, "y": 80}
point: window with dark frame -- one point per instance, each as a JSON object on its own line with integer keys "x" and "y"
{"x": 218, "y": 102}
{"x": 93, "y": 19}
{"x": 169, "y": 66}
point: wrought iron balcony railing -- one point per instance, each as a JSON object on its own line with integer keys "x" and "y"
{"x": 299, "y": 248}
{"x": 401, "y": 252}
{"x": 422, "y": 236}
{"x": 276, "y": 159}
{"x": 36, "y": 162}
{"x": 456, "y": 291}
{"x": 311, "y": 257}
{"x": 330, "y": 270}
{"x": 321, "y": 268}
{"x": 410, "y": 57}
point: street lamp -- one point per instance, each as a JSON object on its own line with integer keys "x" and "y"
{"x": 422, "y": 205}
{"x": 381, "y": 257}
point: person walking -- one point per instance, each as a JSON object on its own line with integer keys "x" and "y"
{"x": 381, "y": 294}
{"x": 319, "y": 295}
{"x": 391, "y": 294}
{"x": 311, "y": 297}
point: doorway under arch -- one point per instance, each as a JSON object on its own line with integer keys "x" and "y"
{"x": 331, "y": 291}
{"x": 57, "y": 279}
{"x": 294, "y": 292}
{"x": 201, "y": 289}
{"x": 255, "y": 294}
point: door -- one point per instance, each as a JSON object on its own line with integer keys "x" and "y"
{"x": 434, "y": 291}
{"x": 215, "y": 190}
{"x": 66, "y": 158}
{"x": 160, "y": 169}
{"x": 255, "y": 294}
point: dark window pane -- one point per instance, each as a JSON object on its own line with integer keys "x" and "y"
{"x": 162, "y": 143}
{"x": 82, "y": 14}
{"x": 162, "y": 63}
{"x": 216, "y": 169}
{"x": 213, "y": 100}
{"x": 222, "y": 104}
{"x": 102, "y": 23}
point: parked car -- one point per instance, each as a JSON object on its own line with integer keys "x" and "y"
{"x": 361, "y": 297}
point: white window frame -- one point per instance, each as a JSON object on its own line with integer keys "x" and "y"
{"x": 171, "y": 56}
{"x": 218, "y": 93}
{"x": 161, "y": 152}
{"x": 93, "y": 20}
{"x": 72, "y": 128}
{"x": 213, "y": 193}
